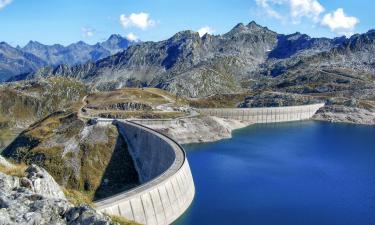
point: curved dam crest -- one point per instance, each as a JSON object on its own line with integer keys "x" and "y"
{"x": 167, "y": 188}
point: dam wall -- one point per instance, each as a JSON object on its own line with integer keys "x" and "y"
{"x": 265, "y": 115}
{"x": 167, "y": 187}
{"x": 156, "y": 122}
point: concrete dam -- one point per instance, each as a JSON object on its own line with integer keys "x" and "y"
{"x": 167, "y": 188}
{"x": 265, "y": 115}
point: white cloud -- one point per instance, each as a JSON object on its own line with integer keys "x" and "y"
{"x": 305, "y": 8}
{"x": 141, "y": 20}
{"x": 131, "y": 37}
{"x": 340, "y": 23}
{"x": 296, "y": 10}
{"x": 269, "y": 10}
{"x": 4, "y": 3}
{"x": 87, "y": 32}
{"x": 205, "y": 30}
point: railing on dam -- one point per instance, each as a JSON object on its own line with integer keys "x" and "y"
{"x": 265, "y": 115}
{"x": 168, "y": 187}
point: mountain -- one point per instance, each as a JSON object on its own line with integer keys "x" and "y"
{"x": 247, "y": 57}
{"x": 201, "y": 66}
{"x": 115, "y": 43}
{"x": 34, "y": 55}
{"x": 209, "y": 64}
{"x": 14, "y": 61}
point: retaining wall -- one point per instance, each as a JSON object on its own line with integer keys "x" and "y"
{"x": 265, "y": 115}
{"x": 168, "y": 187}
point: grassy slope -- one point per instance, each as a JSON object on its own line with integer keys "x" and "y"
{"x": 82, "y": 167}
{"x": 219, "y": 101}
{"x": 25, "y": 102}
{"x": 98, "y": 103}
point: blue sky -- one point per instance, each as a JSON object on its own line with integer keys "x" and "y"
{"x": 67, "y": 21}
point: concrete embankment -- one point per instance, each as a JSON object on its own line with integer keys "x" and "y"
{"x": 266, "y": 115}
{"x": 218, "y": 123}
{"x": 167, "y": 187}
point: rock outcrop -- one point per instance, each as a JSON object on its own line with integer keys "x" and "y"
{"x": 37, "y": 199}
{"x": 5, "y": 163}
{"x": 39, "y": 181}
{"x": 200, "y": 129}
{"x": 345, "y": 114}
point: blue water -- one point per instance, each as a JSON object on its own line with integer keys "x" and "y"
{"x": 284, "y": 174}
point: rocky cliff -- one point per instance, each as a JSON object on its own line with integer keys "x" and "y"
{"x": 37, "y": 199}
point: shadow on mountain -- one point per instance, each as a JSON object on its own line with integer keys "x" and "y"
{"x": 120, "y": 174}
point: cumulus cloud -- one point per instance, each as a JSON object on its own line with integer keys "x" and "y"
{"x": 141, "y": 20}
{"x": 87, "y": 32}
{"x": 265, "y": 4}
{"x": 205, "y": 30}
{"x": 131, "y": 37}
{"x": 340, "y": 23}
{"x": 305, "y": 8}
{"x": 297, "y": 10}
{"x": 4, "y": 3}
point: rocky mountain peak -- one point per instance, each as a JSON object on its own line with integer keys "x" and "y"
{"x": 81, "y": 43}
{"x": 296, "y": 36}
{"x": 115, "y": 43}
{"x": 239, "y": 28}
{"x": 186, "y": 34}
{"x": 33, "y": 45}
{"x": 115, "y": 37}
{"x": 251, "y": 28}
{"x": 254, "y": 25}
{"x": 4, "y": 45}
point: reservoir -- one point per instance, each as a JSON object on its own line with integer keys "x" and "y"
{"x": 288, "y": 173}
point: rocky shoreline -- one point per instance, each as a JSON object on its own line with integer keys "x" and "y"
{"x": 210, "y": 129}
{"x": 344, "y": 114}
{"x": 200, "y": 129}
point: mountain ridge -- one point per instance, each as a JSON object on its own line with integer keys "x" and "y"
{"x": 35, "y": 55}
{"x": 212, "y": 64}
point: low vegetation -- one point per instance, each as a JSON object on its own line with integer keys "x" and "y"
{"x": 23, "y": 103}
{"x": 142, "y": 103}
{"x": 79, "y": 157}
{"x": 148, "y": 96}
{"x": 17, "y": 170}
{"x": 122, "y": 221}
{"x": 139, "y": 115}
{"x": 219, "y": 101}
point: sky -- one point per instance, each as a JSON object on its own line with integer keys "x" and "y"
{"x": 69, "y": 21}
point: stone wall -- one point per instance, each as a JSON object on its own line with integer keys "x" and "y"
{"x": 168, "y": 187}
{"x": 265, "y": 115}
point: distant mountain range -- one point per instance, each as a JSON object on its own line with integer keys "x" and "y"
{"x": 248, "y": 57}
{"x": 17, "y": 60}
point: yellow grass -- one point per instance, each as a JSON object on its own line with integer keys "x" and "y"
{"x": 122, "y": 221}
{"x": 18, "y": 170}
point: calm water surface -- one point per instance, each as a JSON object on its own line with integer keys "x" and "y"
{"x": 294, "y": 173}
